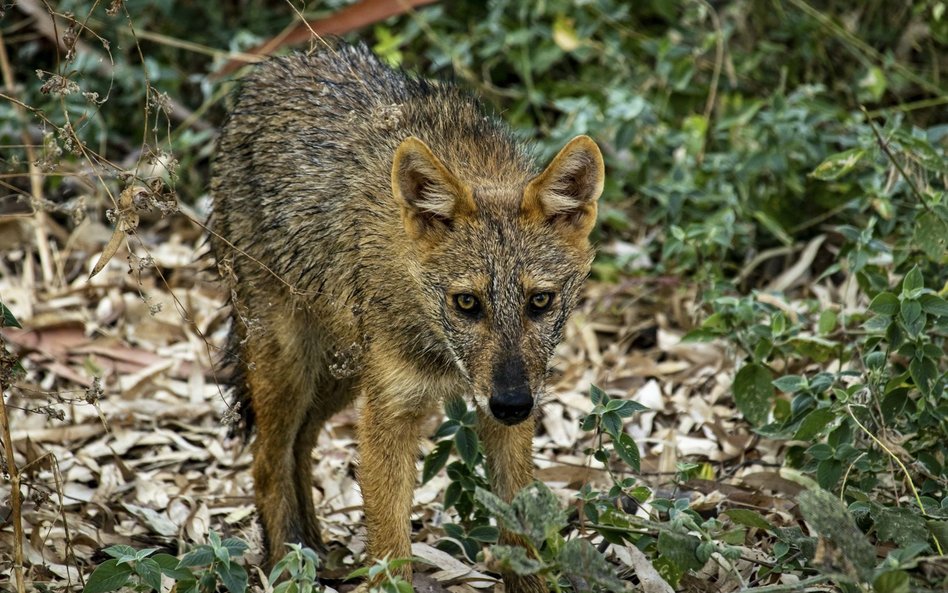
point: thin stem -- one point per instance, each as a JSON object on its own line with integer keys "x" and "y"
{"x": 15, "y": 500}
{"x": 884, "y": 145}
{"x": 901, "y": 465}
{"x": 798, "y": 586}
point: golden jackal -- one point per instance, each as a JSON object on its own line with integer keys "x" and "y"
{"x": 386, "y": 239}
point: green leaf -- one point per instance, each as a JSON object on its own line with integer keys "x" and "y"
{"x": 819, "y": 349}
{"x": 828, "y": 516}
{"x": 894, "y": 335}
{"x": 466, "y": 440}
{"x": 447, "y": 429}
{"x": 921, "y": 148}
{"x": 820, "y": 451}
{"x": 452, "y": 494}
{"x": 875, "y": 360}
{"x": 589, "y": 422}
{"x": 150, "y": 573}
{"x": 930, "y": 234}
{"x": 514, "y": 559}
{"x": 455, "y": 408}
{"x": 612, "y": 424}
{"x": 597, "y": 395}
{"x": 715, "y": 323}
{"x": 763, "y": 349}
{"x": 828, "y": 473}
{"x": 749, "y": 518}
{"x": 885, "y": 303}
{"x": 630, "y": 407}
{"x": 436, "y": 460}
{"x": 221, "y": 553}
{"x": 484, "y": 533}
{"x": 778, "y": 324}
{"x": 874, "y": 82}
{"x": 924, "y": 373}
{"x": 234, "y": 577}
{"x": 681, "y": 549}
{"x": 108, "y": 576}
{"x": 235, "y": 546}
{"x": 754, "y": 392}
{"x": 293, "y": 587}
{"x": 578, "y": 558}
{"x": 939, "y": 529}
{"x": 699, "y": 335}
{"x": 912, "y": 283}
{"x": 827, "y": 322}
{"x": 362, "y": 571}
{"x": 8, "y": 320}
{"x": 814, "y": 423}
{"x": 626, "y": 449}
{"x": 120, "y": 551}
{"x": 790, "y": 383}
{"x": 498, "y": 509}
{"x": 199, "y": 556}
{"x": 877, "y": 324}
{"x": 539, "y": 512}
{"x": 145, "y": 553}
{"x": 911, "y": 311}
{"x": 894, "y": 581}
{"x": 704, "y": 551}
{"x": 670, "y": 572}
{"x": 934, "y": 305}
{"x": 900, "y": 525}
{"x": 838, "y": 164}
{"x": 169, "y": 567}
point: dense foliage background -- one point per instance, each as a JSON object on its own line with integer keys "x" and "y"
{"x": 777, "y": 166}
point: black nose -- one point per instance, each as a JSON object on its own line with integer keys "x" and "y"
{"x": 511, "y": 406}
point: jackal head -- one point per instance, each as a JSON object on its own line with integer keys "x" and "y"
{"x": 500, "y": 263}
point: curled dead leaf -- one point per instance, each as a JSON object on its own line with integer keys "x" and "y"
{"x": 126, "y": 219}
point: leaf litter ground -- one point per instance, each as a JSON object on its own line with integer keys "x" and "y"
{"x": 119, "y": 423}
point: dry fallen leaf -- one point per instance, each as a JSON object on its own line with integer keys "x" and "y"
{"x": 126, "y": 221}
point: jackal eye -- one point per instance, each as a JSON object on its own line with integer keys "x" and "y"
{"x": 467, "y": 304}
{"x": 540, "y": 302}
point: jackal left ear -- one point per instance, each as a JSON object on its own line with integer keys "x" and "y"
{"x": 431, "y": 196}
{"x": 566, "y": 193}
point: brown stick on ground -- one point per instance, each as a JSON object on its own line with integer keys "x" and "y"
{"x": 15, "y": 502}
{"x": 348, "y": 19}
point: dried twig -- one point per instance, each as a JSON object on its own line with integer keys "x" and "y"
{"x": 348, "y": 19}
{"x": 15, "y": 501}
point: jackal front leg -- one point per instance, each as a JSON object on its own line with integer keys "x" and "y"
{"x": 388, "y": 447}
{"x": 509, "y": 451}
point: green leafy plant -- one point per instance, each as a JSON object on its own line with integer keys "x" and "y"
{"x": 457, "y": 435}
{"x": 299, "y": 565}
{"x": 606, "y": 419}
{"x": 535, "y": 515}
{"x": 200, "y": 570}
{"x": 879, "y": 417}
{"x": 384, "y": 575}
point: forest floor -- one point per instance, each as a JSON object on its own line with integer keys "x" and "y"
{"x": 119, "y": 422}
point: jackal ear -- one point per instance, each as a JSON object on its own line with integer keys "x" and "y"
{"x": 430, "y": 195}
{"x": 566, "y": 192}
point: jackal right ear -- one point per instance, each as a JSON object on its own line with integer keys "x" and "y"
{"x": 566, "y": 192}
{"x": 430, "y": 195}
